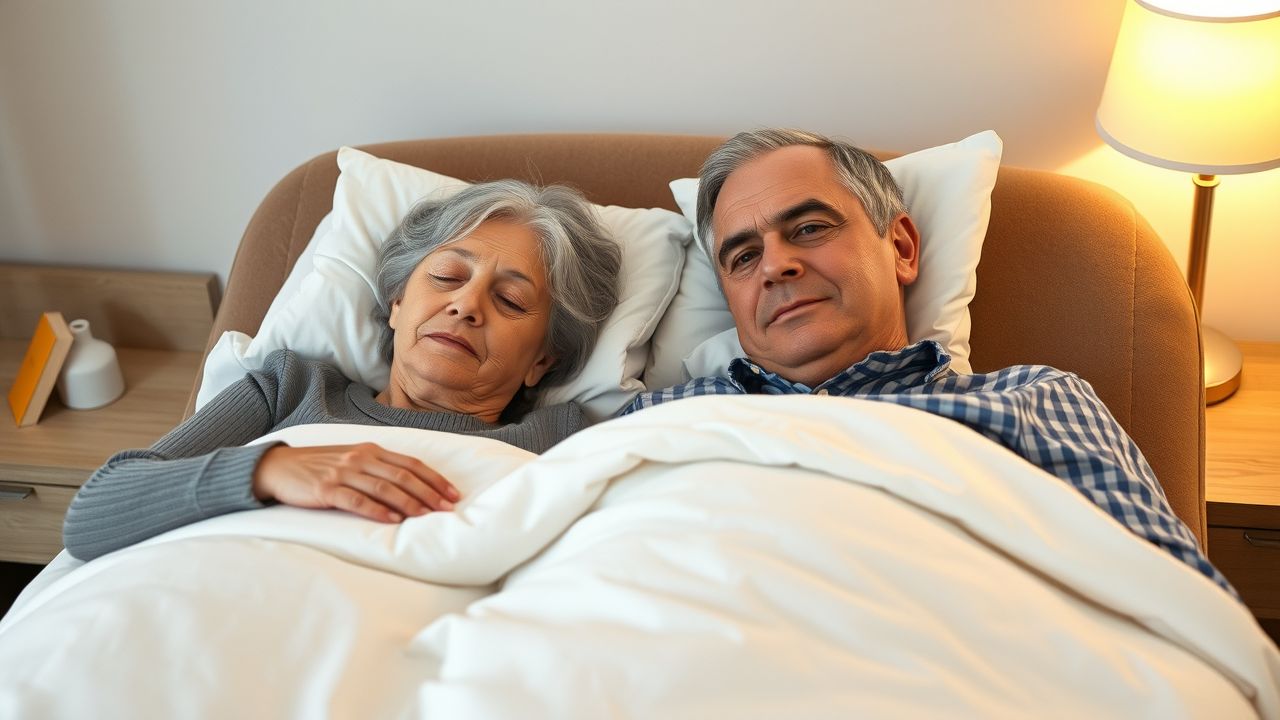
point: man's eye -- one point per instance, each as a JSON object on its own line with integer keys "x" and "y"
{"x": 742, "y": 259}
{"x": 810, "y": 229}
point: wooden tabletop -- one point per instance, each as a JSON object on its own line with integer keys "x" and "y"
{"x": 1242, "y": 456}
{"x": 67, "y": 445}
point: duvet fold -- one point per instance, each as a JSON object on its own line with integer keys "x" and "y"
{"x": 753, "y": 556}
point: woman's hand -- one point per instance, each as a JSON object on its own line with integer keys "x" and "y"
{"x": 364, "y": 479}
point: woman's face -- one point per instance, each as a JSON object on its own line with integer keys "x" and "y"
{"x": 472, "y": 325}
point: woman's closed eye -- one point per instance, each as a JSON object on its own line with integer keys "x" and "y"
{"x": 513, "y": 303}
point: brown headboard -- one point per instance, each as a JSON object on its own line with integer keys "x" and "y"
{"x": 1071, "y": 275}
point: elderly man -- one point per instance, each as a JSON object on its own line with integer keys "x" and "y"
{"x": 813, "y": 248}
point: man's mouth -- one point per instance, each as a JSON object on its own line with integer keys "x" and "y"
{"x": 792, "y": 307}
{"x": 454, "y": 341}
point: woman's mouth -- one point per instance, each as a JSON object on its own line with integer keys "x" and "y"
{"x": 454, "y": 341}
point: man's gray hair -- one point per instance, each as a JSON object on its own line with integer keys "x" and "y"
{"x": 860, "y": 172}
{"x": 582, "y": 260}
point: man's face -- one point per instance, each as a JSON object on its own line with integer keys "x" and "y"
{"x": 812, "y": 286}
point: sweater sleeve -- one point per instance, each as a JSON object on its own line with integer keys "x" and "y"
{"x": 197, "y": 471}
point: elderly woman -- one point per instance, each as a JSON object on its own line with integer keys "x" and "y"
{"x": 484, "y": 299}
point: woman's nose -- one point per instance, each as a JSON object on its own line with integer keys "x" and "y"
{"x": 465, "y": 305}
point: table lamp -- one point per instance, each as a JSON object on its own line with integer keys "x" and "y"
{"x": 1194, "y": 85}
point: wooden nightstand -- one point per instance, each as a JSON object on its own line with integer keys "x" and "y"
{"x": 158, "y": 323}
{"x": 1242, "y": 483}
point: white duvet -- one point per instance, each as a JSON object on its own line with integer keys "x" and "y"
{"x": 714, "y": 557}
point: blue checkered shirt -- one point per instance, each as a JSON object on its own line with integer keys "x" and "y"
{"x": 1050, "y": 417}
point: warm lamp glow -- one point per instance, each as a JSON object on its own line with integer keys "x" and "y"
{"x": 1195, "y": 95}
{"x": 1216, "y": 9}
{"x": 1194, "y": 85}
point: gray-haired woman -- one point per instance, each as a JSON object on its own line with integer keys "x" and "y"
{"x": 485, "y": 298}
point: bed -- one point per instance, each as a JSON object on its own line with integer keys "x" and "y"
{"x": 746, "y": 556}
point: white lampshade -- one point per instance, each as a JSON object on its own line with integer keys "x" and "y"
{"x": 1194, "y": 85}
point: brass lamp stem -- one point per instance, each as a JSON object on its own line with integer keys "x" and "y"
{"x": 1222, "y": 359}
{"x": 1201, "y": 215}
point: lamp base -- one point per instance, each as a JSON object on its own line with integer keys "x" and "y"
{"x": 1222, "y": 366}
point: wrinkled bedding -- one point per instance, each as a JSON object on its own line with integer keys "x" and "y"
{"x": 719, "y": 556}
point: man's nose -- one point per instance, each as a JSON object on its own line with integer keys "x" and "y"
{"x": 778, "y": 261}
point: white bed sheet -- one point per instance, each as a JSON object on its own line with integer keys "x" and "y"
{"x": 816, "y": 557}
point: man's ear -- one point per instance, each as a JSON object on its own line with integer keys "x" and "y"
{"x": 540, "y": 367}
{"x": 906, "y": 247}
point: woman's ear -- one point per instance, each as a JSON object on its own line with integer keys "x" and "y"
{"x": 539, "y": 368}
{"x": 395, "y": 310}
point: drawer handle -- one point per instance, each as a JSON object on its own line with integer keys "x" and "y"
{"x": 1262, "y": 542}
{"x": 15, "y": 492}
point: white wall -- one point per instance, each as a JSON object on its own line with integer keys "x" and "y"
{"x": 142, "y": 133}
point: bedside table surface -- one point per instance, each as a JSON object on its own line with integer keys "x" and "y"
{"x": 65, "y": 446}
{"x": 1242, "y": 444}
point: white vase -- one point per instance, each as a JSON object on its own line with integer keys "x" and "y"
{"x": 90, "y": 376}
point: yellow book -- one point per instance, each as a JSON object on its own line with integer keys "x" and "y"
{"x": 39, "y": 371}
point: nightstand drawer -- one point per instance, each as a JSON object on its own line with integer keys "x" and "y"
{"x": 31, "y": 526}
{"x": 1250, "y": 558}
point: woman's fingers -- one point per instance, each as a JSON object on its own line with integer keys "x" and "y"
{"x": 364, "y": 479}
{"x": 398, "y": 489}
{"x": 345, "y": 497}
{"x": 419, "y": 470}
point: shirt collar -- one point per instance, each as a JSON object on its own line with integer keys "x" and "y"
{"x": 881, "y": 371}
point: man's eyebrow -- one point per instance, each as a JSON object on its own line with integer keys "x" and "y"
{"x": 466, "y": 254}
{"x": 732, "y": 242}
{"x": 811, "y": 205}
{"x": 783, "y": 216}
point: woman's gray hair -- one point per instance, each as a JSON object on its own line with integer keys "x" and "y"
{"x": 582, "y": 260}
{"x": 860, "y": 172}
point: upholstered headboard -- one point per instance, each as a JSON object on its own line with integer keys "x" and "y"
{"x": 1071, "y": 275}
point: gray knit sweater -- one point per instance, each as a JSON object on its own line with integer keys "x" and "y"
{"x": 200, "y": 469}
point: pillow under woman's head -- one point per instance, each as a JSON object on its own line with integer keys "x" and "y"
{"x": 330, "y": 317}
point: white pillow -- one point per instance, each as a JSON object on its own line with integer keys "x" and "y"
{"x": 301, "y": 268}
{"x": 330, "y": 316}
{"x": 948, "y": 194}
